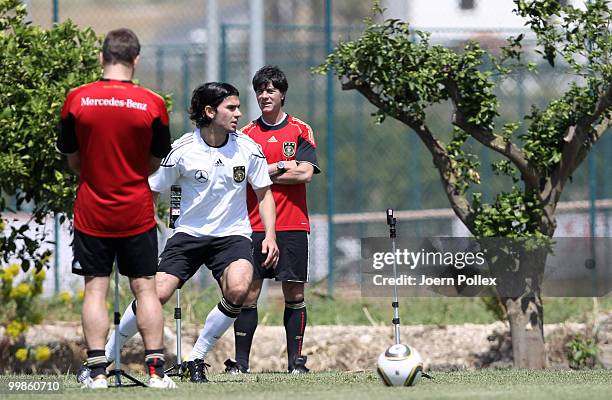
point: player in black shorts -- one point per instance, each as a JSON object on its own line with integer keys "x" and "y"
{"x": 213, "y": 165}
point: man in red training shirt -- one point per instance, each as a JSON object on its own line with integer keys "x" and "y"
{"x": 115, "y": 134}
{"x": 289, "y": 147}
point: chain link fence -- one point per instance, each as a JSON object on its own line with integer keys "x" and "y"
{"x": 376, "y": 166}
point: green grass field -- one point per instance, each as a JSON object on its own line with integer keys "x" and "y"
{"x": 482, "y": 384}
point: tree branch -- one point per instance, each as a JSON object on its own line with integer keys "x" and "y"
{"x": 458, "y": 201}
{"x": 491, "y": 140}
{"x": 574, "y": 150}
{"x": 598, "y": 132}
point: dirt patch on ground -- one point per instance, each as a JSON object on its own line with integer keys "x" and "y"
{"x": 347, "y": 348}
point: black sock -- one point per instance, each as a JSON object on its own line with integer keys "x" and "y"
{"x": 295, "y": 323}
{"x": 154, "y": 359}
{"x": 96, "y": 362}
{"x": 244, "y": 329}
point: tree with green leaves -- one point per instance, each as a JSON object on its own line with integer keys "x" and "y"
{"x": 39, "y": 66}
{"x": 403, "y": 75}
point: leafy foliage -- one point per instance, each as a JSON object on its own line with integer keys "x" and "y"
{"x": 400, "y": 72}
{"x": 581, "y": 352}
{"x": 20, "y": 298}
{"x": 38, "y": 68}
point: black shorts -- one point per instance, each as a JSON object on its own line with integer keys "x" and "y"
{"x": 184, "y": 254}
{"x": 136, "y": 255}
{"x": 293, "y": 257}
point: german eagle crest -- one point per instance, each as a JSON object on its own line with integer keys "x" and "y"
{"x": 288, "y": 149}
{"x": 239, "y": 174}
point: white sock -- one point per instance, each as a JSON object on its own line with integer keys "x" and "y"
{"x": 217, "y": 322}
{"x": 128, "y": 327}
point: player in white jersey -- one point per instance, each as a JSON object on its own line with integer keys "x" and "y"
{"x": 213, "y": 165}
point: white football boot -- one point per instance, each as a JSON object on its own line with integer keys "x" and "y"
{"x": 161, "y": 383}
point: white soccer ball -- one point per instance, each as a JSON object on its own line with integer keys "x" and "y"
{"x": 400, "y": 365}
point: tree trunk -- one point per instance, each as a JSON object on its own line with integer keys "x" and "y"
{"x": 525, "y": 315}
{"x": 519, "y": 266}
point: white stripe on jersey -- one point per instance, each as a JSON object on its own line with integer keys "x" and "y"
{"x": 213, "y": 183}
{"x": 178, "y": 143}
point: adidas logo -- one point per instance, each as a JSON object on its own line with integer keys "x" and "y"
{"x": 219, "y": 163}
{"x": 272, "y": 140}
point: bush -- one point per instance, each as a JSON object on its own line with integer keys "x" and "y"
{"x": 581, "y": 352}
